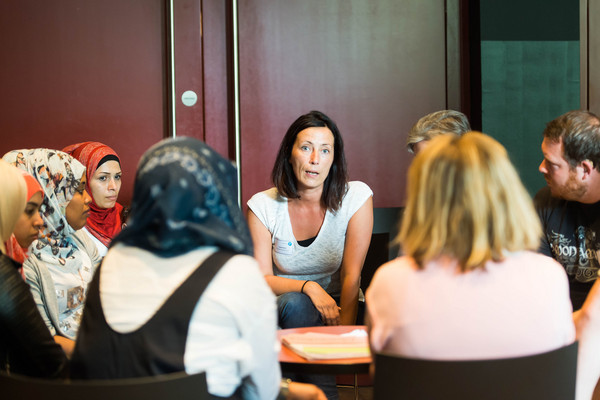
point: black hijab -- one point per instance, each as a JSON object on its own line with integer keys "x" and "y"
{"x": 184, "y": 197}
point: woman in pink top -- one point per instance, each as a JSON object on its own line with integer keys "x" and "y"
{"x": 469, "y": 285}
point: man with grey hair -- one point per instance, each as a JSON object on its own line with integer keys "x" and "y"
{"x": 569, "y": 206}
{"x": 434, "y": 124}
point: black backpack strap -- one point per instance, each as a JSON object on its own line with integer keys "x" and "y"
{"x": 197, "y": 282}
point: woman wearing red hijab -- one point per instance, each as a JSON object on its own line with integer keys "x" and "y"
{"x": 29, "y": 223}
{"x": 103, "y": 172}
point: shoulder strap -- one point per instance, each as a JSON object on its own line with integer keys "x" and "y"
{"x": 205, "y": 272}
{"x": 194, "y": 286}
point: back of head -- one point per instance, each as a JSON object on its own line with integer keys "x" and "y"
{"x": 466, "y": 201}
{"x": 185, "y": 197}
{"x": 435, "y": 124}
{"x": 12, "y": 200}
{"x": 580, "y": 135}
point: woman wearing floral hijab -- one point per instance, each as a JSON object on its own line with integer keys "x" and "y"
{"x": 26, "y": 346}
{"x": 63, "y": 259}
{"x": 178, "y": 289}
{"x": 103, "y": 172}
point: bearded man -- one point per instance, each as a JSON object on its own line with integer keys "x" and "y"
{"x": 569, "y": 206}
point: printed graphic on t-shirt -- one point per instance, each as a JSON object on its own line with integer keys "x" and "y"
{"x": 579, "y": 255}
{"x": 75, "y": 297}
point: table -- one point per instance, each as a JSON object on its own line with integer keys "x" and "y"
{"x": 292, "y": 362}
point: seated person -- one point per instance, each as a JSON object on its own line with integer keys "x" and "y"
{"x": 103, "y": 173}
{"x": 311, "y": 231}
{"x": 434, "y": 124}
{"x": 587, "y": 325}
{"x": 569, "y": 205}
{"x": 26, "y": 346}
{"x": 178, "y": 289}
{"x": 470, "y": 285}
{"x": 63, "y": 259}
{"x": 29, "y": 223}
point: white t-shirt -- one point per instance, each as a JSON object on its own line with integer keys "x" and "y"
{"x": 321, "y": 261}
{"x": 232, "y": 332}
{"x": 516, "y": 307}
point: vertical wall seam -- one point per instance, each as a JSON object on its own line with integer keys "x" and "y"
{"x": 236, "y": 100}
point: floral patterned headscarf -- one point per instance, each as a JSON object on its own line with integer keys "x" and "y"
{"x": 185, "y": 196}
{"x": 59, "y": 175}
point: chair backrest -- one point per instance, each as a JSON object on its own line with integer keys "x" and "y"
{"x": 376, "y": 256}
{"x": 546, "y": 376}
{"x": 179, "y": 386}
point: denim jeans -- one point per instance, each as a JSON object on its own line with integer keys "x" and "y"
{"x": 296, "y": 310}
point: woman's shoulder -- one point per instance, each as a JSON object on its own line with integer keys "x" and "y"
{"x": 358, "y": 187}
{"x": 240, "y": 278}
{"x": 357, "y": 194}
{"x": 266, "y": 203}
{"x": 244, "y": 264}
{"x": 535, "y": 262}
{"x": 269, "y": 194}
{"x": 8, "y": 265}
{"x": 394, "y": 269}
{"x": 391, "y": 277}
{"x": 84, "y": 242}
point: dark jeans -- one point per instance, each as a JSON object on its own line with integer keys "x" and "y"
{"x": 296, "y": 310}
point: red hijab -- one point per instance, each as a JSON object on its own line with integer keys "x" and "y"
{"x": 103, "y": 223}
{"x": 13, "y": 248}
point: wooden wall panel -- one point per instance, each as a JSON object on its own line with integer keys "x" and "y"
{"x": 593, "y": 57}
{"x": 74, "y": 71}
{"x": 189, "y": 74}
{"x": 215, "y": 56}
{"x": 374, "y": 67}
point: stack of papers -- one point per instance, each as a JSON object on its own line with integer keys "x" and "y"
{"x": 325, "y": 346}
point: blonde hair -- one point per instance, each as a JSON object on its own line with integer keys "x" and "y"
{"x": 466, "y": 201}
{"x": 435, "y": 124}
{"x": 12, "y": 200}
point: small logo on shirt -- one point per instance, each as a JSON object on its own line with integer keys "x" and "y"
{"x": 284, "y": 247}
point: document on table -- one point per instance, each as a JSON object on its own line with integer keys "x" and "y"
{"x": 326, "y": 346}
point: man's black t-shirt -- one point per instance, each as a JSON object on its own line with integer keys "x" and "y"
{"x": 571, "y": 236}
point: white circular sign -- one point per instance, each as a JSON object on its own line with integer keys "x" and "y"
{"x": 189, "y": 98}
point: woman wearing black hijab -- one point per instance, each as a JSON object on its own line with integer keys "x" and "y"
{"x": 178, "y": 289}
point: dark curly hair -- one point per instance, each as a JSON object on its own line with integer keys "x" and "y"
{"x": 580, "y": 134}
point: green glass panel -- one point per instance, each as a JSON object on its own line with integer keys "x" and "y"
{"x": 525, "y": 84}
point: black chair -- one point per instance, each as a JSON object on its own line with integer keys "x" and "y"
{"x": 179, "y": 386}
{"x": 376, "y": 256}
{"x": 547, "y": 376}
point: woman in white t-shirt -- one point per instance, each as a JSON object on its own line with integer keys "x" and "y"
{"x": 311, "y": 231}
